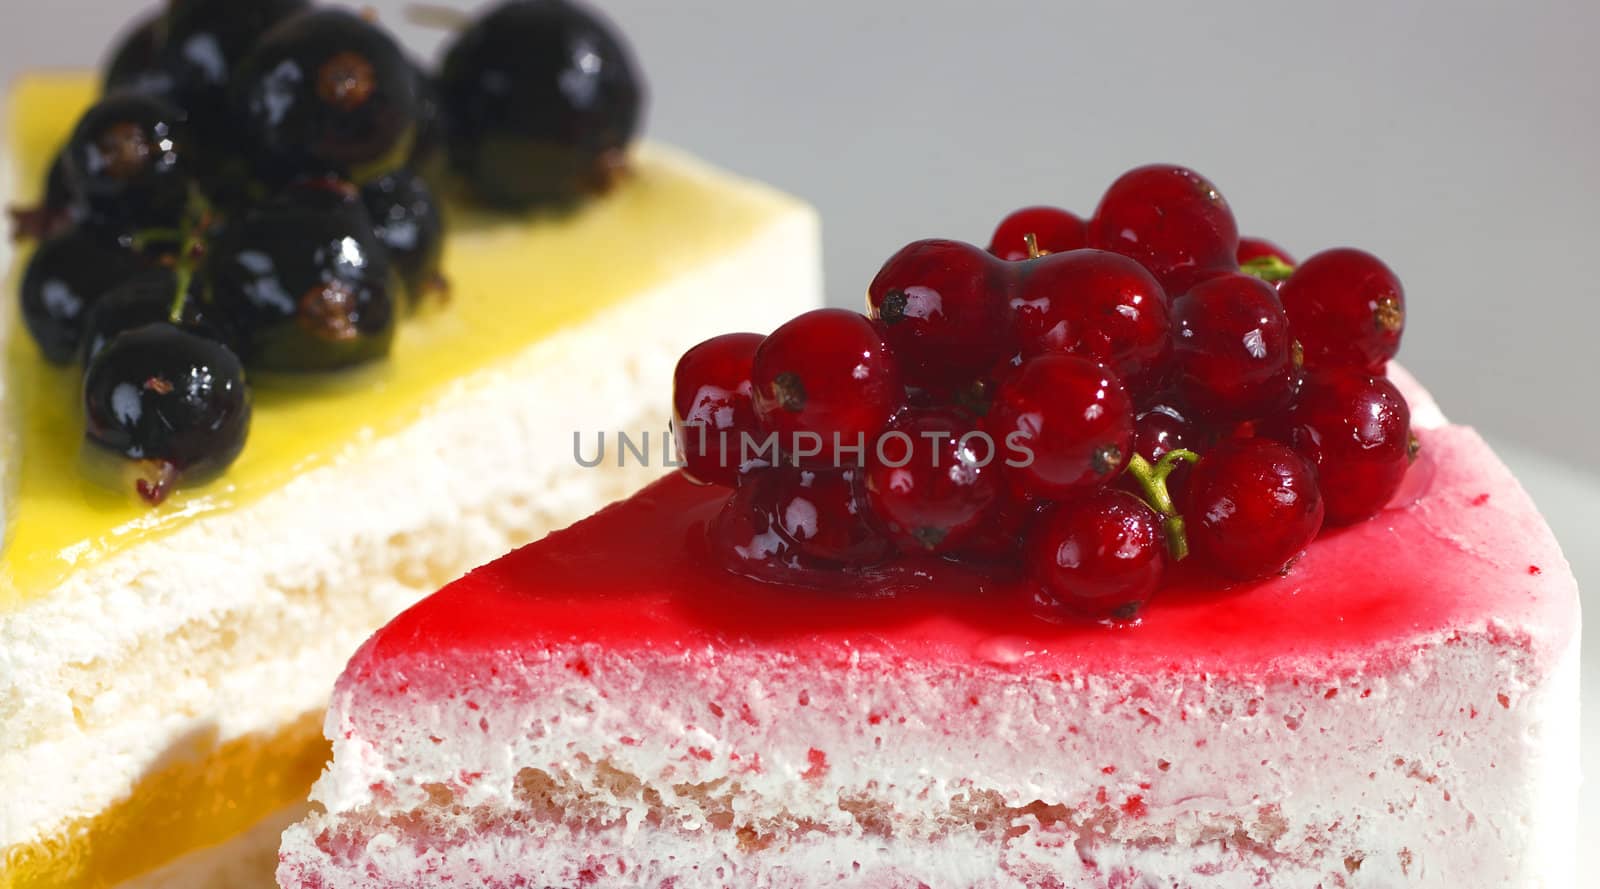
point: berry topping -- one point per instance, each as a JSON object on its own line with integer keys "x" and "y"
{"x": 65, "y": 277}
{"x": 1235, "y": 357}
{"x": 1159, "y": 430}
{"x": 1053, "y": 230}
{"x": 1252, "y": 507}
{"x": 206, "y": 42}
{"x": 942, "y": 306}
{"x": 1265, "y": 260}
{"x": 932, "y": 479}
{"x": 826, "y": 382}
{"x": 712, "y": 413}
{"x": 1099, "y": 305}
{"x": 542, "y": 98}
{"x": 1347, "y": 309}
{"x": 1099, "y": 557}
{"x": 1063, "y": 424}
{"x": 820, "y": 512}
{"x": 303, "y": 283}
{"x": 127, "y": 160}
{"x": 146, "y": 298}
{"x": 173, "y": 401}
{"x": 138, "y": 61}
{"x": 406, "y": 219}
{"x": 327, "y": 93}
{"x": 1356, "y": 430}
{"x": 1172, "y": 220}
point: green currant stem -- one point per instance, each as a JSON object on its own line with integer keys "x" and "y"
{"x": 1152, "y": 481}
{"x": 191, "y": 242}
{"x": 1270, "y": 269}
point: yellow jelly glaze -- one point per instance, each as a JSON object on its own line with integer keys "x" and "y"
{"x": 514, "y": 280}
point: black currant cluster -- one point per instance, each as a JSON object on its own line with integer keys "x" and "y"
{"x": 255, "y": 190}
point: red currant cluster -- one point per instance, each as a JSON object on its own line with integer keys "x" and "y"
{"x": 1085, "y": 402}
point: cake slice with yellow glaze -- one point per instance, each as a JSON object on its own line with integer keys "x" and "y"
{"x": 163, "y": 671}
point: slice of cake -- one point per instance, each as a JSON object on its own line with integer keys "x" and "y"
{"x": 164, "y": 669}
{"x": 1229, "y": 605}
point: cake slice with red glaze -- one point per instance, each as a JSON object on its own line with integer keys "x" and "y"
{"x": 1256, "y": 617}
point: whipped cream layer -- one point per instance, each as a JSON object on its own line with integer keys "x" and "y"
{"x": 1400, "y": 711}
{"x": 239, "y": 622}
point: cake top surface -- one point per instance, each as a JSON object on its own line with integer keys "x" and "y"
{"x": 1462, "y": 551}
{"x": 515, "y": 280}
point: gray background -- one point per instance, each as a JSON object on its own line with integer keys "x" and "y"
{"x": 1458, "y": 140}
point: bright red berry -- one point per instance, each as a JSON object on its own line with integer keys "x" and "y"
{"x": 1235, "y": 358}
{"x": 1172, "y": 220}
{"x": 1097, "y": 304}
{"x": 744, "y": 536}
{"x": 1356, "y": 430}
{"x": 942, "y": 307}
{"x": 1160, "y": 429}
{"x": 711, "y": 408}
{"x": 1261, "y": 248}
{"x": 1252, "y": 507}
{"x": 999, "y": 537}
{"x": 1101, "y": 557}
{"x": 1054, "y": 231}
{"x": 1347, "y": 309}
{"x": 932, "y": 479}
{"x": 822, "y": 514}
{"x": 1063, "y": 425}
{"x": 824, "y": 381}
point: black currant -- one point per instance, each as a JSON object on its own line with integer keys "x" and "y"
{"x": 127, "y": 159}
{"x": 427, "y": 150}
{"x": 65, "y": 277}
{"x": 146, "y": 298}
{"x": 207, "y": 39}
{"x": 139, "y": 62}
{"x": 55, "y": 211}
{"x": 407, "y": 221}
{"x": 541, "y": 98}
{"x": 170, "y": 399}
{"x": 327, "y": 93}
{"x": 303, "y": 283}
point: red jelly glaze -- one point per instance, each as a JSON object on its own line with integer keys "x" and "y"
{"x": 635, "y": 576}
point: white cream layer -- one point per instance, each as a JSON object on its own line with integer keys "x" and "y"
{"x": 239, "y": 622}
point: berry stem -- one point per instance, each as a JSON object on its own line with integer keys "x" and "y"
{"x": 1031, "y": 241}
{"x": 1270, "y": 269}
{"x": 191, "y": 240}
{"x": 1153, "y": 482}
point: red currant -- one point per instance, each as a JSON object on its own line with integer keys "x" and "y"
{"x": 822, "y": 514}
{"x": 1356, "y": 430}
{"x": 1261, "y": 248}
{"x": 1054, "y": 231}
{"x": 825, "y": 381}
{"x": 932, "y": 479}
{"x": 1172, "y": 220}
{"x": 1100, "y": 557}
{"x": 1097, "y": 304}
{"x": 1252, "y": 507}
{"x": 712, "y": 413}
{"x": 1062, "y": 424}
{"x": 999, "y": 538}
{"x": 1160, "y": 429}
{"x": 1347, "y": 309}
{"x": 1235, "y": 357}
{"x": 942, "y": 306}
{"x": 744, "y": 536}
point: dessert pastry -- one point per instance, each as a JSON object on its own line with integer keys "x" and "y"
{"x": 1121, "y": 590}
{"x": 204, "y": 523}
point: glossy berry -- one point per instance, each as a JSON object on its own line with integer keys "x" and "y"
{"x": 327, "y": 93}
{"x": 1100, "y": 557}
{"x": 942, "y": 307}
{"x": 821, "y": 513}
{"x": 138, "y": 62}
{"x": 206, "y": 41}
{"x": 999, "y": 538}
{"x": 406, "y": 219}
{"x": 826, "y": 380}
{"x": 163, "y": 396}
{"x": 146, "y": 298}
{"x": 1099, "y": 305}
{"x": 57, "y": 210}
{"x": 1161, "y": 429}
{"x": 303, "y": 283}
{"x": 1355, "y": 430}
{"x": 712, "y": 414}
{"x": 932, "y": 480}
{"x": 1347, "y": 309}
{"x": 427, "y": 149}
{"x": 542, "y": 98}
{"x": 1172, "y": 220}
{"x": 1063, "y": 425}
{"x": 1235, "y": 358}
{"x": 1252, "y": 507}
{"x": 128, "y": 161}
{"x": 1054, "y": 231}
{"x": 64, "y": 279}
{"x": 1261, "y": 248}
